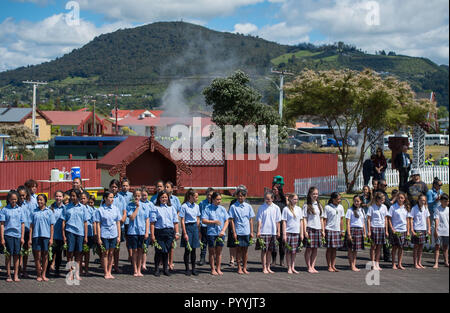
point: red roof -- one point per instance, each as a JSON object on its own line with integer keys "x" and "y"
{"x": 305, "y": 125}
{"x": 135, "y": 113}
{"x": 69, "y": 118}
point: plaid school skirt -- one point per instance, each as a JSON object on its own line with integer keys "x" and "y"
{"x": 420, "y": 238}
{"x": 293, "y": 240}
{"x": 315, "y": 237}
{"x": 333, "y": 239}
{"x": 357, "y": 243}
{"x": 378, "y": 235}
{"x": 269, "y": 242}
{"x": 399, "y": 240}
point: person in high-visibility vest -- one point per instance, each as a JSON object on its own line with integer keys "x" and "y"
{"x": 444, "y": 161}
{"x": 430, "y": 161}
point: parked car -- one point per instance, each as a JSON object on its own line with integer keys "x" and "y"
{"x": 331, "y": 142}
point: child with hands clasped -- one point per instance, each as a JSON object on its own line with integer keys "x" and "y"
{"x": 41, "y": 235}
{"x": 216, "y": 218}
{"x": 107, "y": 223}
{"x": 268, "y": 229}
{"x": 398, "y": 223}
{"x": 292, "y": 221}
{"x": 241, "y": 221}
{"x": 356, "y": 231}
{"x": 378, "y": 228}
{"x": 334, "y": 229}
{"x": 138, "y": 229}
{"x": 441, "y": 230}
{"x": 420, "y": 225}
{"x": 12, "y": 230}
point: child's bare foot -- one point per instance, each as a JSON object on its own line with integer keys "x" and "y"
{"x": 265, "y": 271}
{"x": 418, "y": 267}
{"x": 245, "y": 271}
{"x": 401, "y": 267}
{"x": 270, "y": 271}
{"x": 436, "y": 265}
{"x": 294, "y": 271}
{"x": 421, "y": 266}
{"x": 394, "y": 267}
{"x": 213, "y": 272}
{"x": 446, "y": 264}
{"x": 240, "y": 271}
{"x": 44, "y": 278}
{"x": 355, "y": 269}
{"x": 16, "y": 279}
{"x": 9, "y": 280}
{"x": 330, "y": 269}
{"x": 39, "y": 279}
{"x": 111, "y": 277}
{"x": 290, "y": 271}
{"x": 315, "y": 271}
{"x": 135, "y": 275}
{"x": 219, "y": 272}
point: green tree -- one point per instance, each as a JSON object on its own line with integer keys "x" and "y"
{"x": 235, "y": 102}
{"x": 20, "y": 137}
{"x": 350, "y": 99}
{"x": 442, "y": 112}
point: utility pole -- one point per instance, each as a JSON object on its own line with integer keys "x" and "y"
{"x": 280, "y": 103}
{"x": 117, "y": 131}
{"x": 33, "y": 114}
{"x": 93, "y": 117}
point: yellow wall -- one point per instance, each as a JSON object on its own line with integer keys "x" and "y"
{"x": 45, "y": 131}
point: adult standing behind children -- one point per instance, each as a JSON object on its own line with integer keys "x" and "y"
{"x": 402, "y": 163}
{"x": 415, "y": 188}
{"x": 368, "y": 169}
{"x": 380, "y": 165}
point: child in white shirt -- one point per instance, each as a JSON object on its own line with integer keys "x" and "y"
{"x": 292, "y": 219}
{"x": 377, "y": 225}
{"x": 420, "y": 225}
{"x": 356, "y": 231}
{"x": 334, "y": 229}
{"x": 441, "y": 230}
{"x": 398, "y": 223}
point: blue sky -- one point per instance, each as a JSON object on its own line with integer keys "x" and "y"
{"x": 35, "y": 31}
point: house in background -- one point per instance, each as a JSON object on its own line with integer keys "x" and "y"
{"x": 79, "y": 123}
{"x": 23, "y": 116}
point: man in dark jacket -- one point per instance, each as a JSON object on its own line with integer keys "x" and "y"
{"x": 368, "y": 169}
{"x": 415, "y": 187}
{"x": 402, "y": 163}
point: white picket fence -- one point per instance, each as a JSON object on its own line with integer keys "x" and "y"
{"x": 328, "y": 184}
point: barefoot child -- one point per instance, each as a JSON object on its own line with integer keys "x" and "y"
{"x": 57, "y": 208}
{"x": 441, "y": 230}
{"x": 107, "y": 222}
{"x": 334, "y": 229}
{"x": 356, "y": 231}
{"x": 314, "y": 229}
{"x": 377, "y": 225}
{"x": 398, "y": 223}
{"x": 177, "y": 205}
{"x": 419, "y": 219}
{"x": 292, "y": 221}
{"x": 241, "y": 221}
{"x": 121, "y": 204}
{"x": 190, "y": 224}
{"x": 137, "y": 230}
{"x": 149, "y": 206}
{"x": 41, "y": 235}
{"x": 12, "y": 230}
{"x": 84, "y": 200}
{"x": 216, "y": 217}
{"x": 204, "y": 228}
{"x": 268, "y": 229}
{"x": 127, "y": 195}
{"x": 25, "y": 204}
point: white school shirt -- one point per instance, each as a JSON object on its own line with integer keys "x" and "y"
{"x": 419, "y": 218}
{"x": 292, "y": 224}
{"x": 269, "y": 216}
{"x": 441, "y": 214}
{"x": 399, "y": 217}
{"x": 333, "y": 216}
{"x": 313, "y": 221}
{"x": 356, "y": 222}
{"x": 377, "y": 215}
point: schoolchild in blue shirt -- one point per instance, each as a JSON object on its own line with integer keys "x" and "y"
{"x": 127, "y": 195}
{"x": 216, "y": 217}
{"x": 32, "y": 187}
{"x": 204, "y": 228}
{"x": 41, "y": 235}
{"x": 190, "y": 223}
{"x": 57, "y": 208}
{"x": 107, "y": 220}
{"x": 137, "y": 230}
{"x": 75, "y": 228}
{"x": 121, "y": 205}
{"x": 12, "y": 229}
{"x": 164, "y": 230}
{"x": 177, "y": 205}
{"x": 26, "y": 206}
{"x": 84, "y": 200}
{"x": 159, "y": 186}
{"x": 149, "y": 206}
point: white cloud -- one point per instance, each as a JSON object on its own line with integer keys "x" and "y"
{"x": 285, "y": 34}
{"x": 247, "y": 28}
{"x": 418, "y": 28}
{"x": 151, "y": 11}
{"x": 26, "y": 43}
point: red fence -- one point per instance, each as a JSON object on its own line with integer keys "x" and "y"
{"x": 290, "y": 166}
{"x": 15, "y": 173}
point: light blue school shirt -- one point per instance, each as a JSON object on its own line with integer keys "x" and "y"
{"x": 137, "y": 226}
{"x": 33, "y": 200}
{"x": 190, "y": 212}
{"x": 175, "y": 202}
{"x": 164, "y": 216}
{"x": 42, "y": 220}
{"x": 90, "y": 222}
{"x": 27, "y": 211}
{"x": 57, "y": 228}
{"x": 13, "y": 218}
{"x": 215, "y": 213}
{"x": 202, "y": 207}
{"x": 432, "y": 195}
{"x": 120, "y": 203}
{"x": 241, "y": 215}
{"x": 154, "y": 198}
{"x": 108, "y": 216}
{"x": 75, "y": 216}
{"x": 127, "y": 198}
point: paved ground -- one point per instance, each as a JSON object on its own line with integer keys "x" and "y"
{"x": 410, "y": 280}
